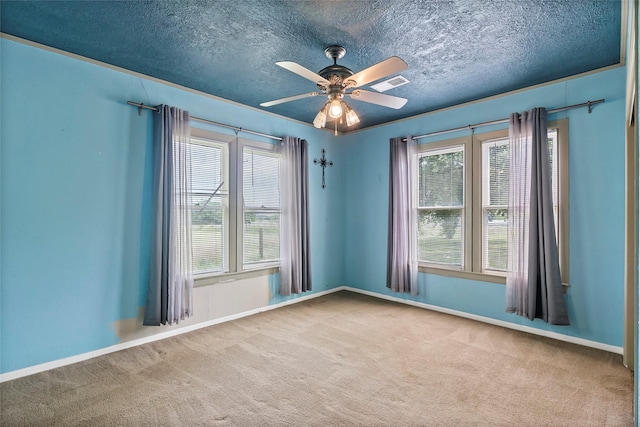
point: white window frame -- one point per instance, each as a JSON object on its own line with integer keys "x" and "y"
{"x": 235, "y": 149}
{"x": 267, "y": 149}
{"x": 484, "y": 190}
{"x": 209, "y": 142}
{"x": 444, "y": 148}
{"x": 473, "y": 200}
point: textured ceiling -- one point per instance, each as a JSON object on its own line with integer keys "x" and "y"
{"x": 457, "y": 51}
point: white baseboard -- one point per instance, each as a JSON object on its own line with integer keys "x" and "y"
{"x": 122, "y": 346}
{"x": 508, "y": 325}
{"x": 156, "y": 337}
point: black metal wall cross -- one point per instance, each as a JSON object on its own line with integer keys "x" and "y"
{"x": 323, "y": 162}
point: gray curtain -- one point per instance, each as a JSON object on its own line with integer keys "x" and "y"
{"x": 402, "y": 267}
{"x": 170, "y": 291}
{"x": 534, "y": 286}
{"x": 295, "y": 254}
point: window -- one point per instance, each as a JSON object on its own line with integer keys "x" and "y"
{"x": 210, "y": 210}
{"x": 235, "y": 222}
{"x": 261, "y": 207}
{"x": 441, "y": 206}
{"x": 495, "y": 199}
{"x": 462, "y": 203}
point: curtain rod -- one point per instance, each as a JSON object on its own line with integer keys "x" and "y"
{"x": 142, "y": 106}
{"x": 494, "y": 122}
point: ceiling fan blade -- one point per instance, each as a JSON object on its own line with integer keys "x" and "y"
{"x": 287, "y": 99}
{"x": 303, "y": 72}
{"x": 381, "y": 69}
{"x": 378, "y": 98}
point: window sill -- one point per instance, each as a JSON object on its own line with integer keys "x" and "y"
{"x": 461, "y": 274}
{"x": 481, "y": 277}
{"x": 212, "y": 279}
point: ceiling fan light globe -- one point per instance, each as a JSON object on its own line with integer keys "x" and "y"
{"x": 335, "y": 109}
{"x": 320, "y": 120}
{"x": 352, "y": 118}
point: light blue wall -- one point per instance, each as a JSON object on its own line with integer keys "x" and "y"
{"x": 596, "y": 180}
{"x": 76, "y": 176}
{"x": 76, "y": 194}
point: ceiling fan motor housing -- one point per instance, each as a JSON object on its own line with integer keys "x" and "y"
{"x": 336, "y": 74}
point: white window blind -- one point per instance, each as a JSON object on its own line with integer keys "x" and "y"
{"x": 261, "y": 207}
{"x": 209, "y": 214}
{"x": 441, "y": 206}
{"x": 495, "y": 200}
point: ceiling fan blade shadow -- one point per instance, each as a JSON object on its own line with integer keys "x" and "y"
{"x": 303, "y": 72}
{"x": 381, "y": 69}
{"x": 289, "y": 98}
{"x": 378, "y": 98}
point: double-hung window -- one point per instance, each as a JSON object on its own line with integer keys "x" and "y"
{"x": 261, "y": 207}
{"x": 236, "y": 204}
{"x": 495, "y": 200}
{"x": 463, "y": 190}
{"x": 210, "y": 209}
{"x": 441, "y": 207}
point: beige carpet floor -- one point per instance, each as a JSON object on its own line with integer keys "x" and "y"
{"x": 343, "y": 359}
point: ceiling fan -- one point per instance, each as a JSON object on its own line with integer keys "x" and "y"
{"x": 336, "y": 81}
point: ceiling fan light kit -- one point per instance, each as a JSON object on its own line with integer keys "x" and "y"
{"x": 321, "y": 118}
{"x": 351, "y": 116}
{"x": 335, "y": 108}
{"x": 336, "y": 81}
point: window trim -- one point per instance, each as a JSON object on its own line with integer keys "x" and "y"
{"x": 235, "y": 149}
{"x": 473, "y": 262}
{"x": 442, "y": 147}
{"x": 478, "y": 252}
{"x": 224, "y": 146}
{"x": 273, "y": 149}
{"x": 454, "y": 271}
